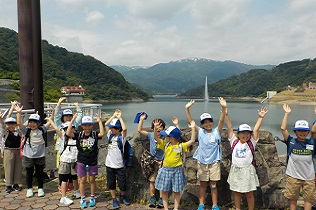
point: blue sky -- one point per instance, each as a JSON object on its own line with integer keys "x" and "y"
{"x": 147, "y": 32}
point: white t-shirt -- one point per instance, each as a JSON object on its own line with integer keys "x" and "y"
{"x": 114, "y": 158}
{"x": 242, "y": 155}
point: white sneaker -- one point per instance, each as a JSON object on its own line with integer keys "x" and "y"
{"x": 40, "y": 192}
{"x": 66, "y": 201}
{"x": 77, "y": 194}
{"x": 29, "y": 193}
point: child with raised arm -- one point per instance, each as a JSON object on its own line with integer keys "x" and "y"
{"x": 171, "y": 176}
{"x": 242, "y": 177}
{"x": 300, "y": 169}
{"x": 10, "y": 151}
{"x": 34, "y": 150}
{"x": 67, "y": 169}
{"x": 208, "y": 153}
{"x": 87, "y": 160}
{"x": 115, "y": 170}
{"x": 158, "y": 155}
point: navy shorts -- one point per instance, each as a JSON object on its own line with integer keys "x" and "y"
{"x": 113, "y": 174}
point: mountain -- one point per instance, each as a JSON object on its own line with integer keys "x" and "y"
{"x": 257, "y": 82}
{"x": 64, "y": 68}
{"x": 182, "y": 75}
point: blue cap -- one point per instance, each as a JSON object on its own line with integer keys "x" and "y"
{"x": 66, "y": 112}
{"x": 243, "y": 128}
{"x": 172, "y": 131}
{"x": 114, "y": 123}
{"x": 137, "y": 117}
{"x": 301, "y": 125}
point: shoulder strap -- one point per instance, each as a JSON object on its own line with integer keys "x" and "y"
{"x": 182, "y": 153}
{"x": 253, "y": 153}
{"x": 235, "y": 142}
{"x": 290, "y": 147}
{"x": 119, "y": 142}
{"x": 27, "y": 136}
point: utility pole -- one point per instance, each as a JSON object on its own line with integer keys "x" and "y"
{"x": 30, "y": 55}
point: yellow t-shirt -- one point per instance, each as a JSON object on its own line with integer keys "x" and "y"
{"x": 172, "y": 156}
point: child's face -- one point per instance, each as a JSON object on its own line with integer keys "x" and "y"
{"x": 301, "y": 134}
{"x": 115, "y": 131}
{"x": 67, "y": 118}
{"x": 33, "y": 124}
{"x": 207, "y": 125}
{"x": 244, "y": 136}
{"x": 87, "y": 128}
{"x": 10, "y": 126}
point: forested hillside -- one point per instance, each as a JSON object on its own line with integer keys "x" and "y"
{"x": 62, "y": 68}
{"x": 256, "y": 82}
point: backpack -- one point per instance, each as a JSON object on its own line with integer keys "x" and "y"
{"x": 127, "y": 150}
{"x": 66, "y": 139}
{"x": 252, "y": 149}
{"x": 290, "y": 147}
{"x": 27, "y": 136}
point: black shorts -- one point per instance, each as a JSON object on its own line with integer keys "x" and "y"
{"x": 113, "y": 174}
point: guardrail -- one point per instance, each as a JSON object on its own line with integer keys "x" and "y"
{"x": 87, "y": 109}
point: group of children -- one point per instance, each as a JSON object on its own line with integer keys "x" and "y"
{"x": 166, "y": 149}
{"x": 78, "y": 155}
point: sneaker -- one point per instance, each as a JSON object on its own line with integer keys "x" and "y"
{"x": 66, "y": 201}
{"x": 201, "y": 207}
{"x": 92, "y": 202}
{"x": 70, "y": 186}
{"x": 16, "y": 187}
{"x": 8, "y": 189}
{"x": 40, "y": 192}
{"x": 83, "y": 203}
{"x": 76, "y": 194}
{"x": 115, "y": 204}
{"x": 124, "y": 200}
{"x": 152, "y": 202}
{"x": 29, "y": 193}
{"x": 215, "y": 208}
{"x": 160, "y": 203}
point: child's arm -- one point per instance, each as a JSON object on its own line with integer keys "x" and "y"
{"x": 188, "y": 114}
{"x": 140, "y": 125}
{"x": 13, "y": 103}
{"x": 287, "y": 111}
{"x": 68, "y": 131}
{"x": 110, "y": 119}
{"x": 230, "y": 131}
{"x": 79, "y": 117}
{"x": 156, "y": 133}
{"x": 57, "y": 117}
{"x": 18, "y": 110}
{"x": 261, "y": 113}
{"x": 51, "y": 117}
{"x": 223, "y": 111}
{"x": 58, "y": 131}
{"x": 193, "y": 134}
{"x": 175, "y": 121}
{"x": 101, "y": 128}
{"x": 124, "y": 129}
{"x": 313, "y": 130}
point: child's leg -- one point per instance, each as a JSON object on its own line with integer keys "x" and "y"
{"x": 82, "y": 186}
{"x": 39, "y": 169}
{"x": 293, "y": 204}
{"x": 152, "y": 188}
{"x": 250, "y": 200}
{"x": 29, "y": 177}
{"x": 214, "y": 192}
{"x": 165, "y": 200}
{"x": 75, "y": 182}
{"x": 308, "y": 205}
{"x": 111, "y": 181}
{"x": 92, "y": 185}
{"x": 237, "y": 200}
{"x": 176, "y": 200}
{"x": 203, "y": 185}
{"x": 63, "y": 186}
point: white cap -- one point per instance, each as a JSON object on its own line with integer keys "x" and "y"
{"x": 301, "y": 125}
{"x": 86, "y": 120}
{"x": 205, "y": 116}
{"x": 244, "y": 127}
{"x": 35, "y": 117}
{"x": 10, "y": 120}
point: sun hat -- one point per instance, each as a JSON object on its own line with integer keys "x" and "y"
{"x": 35, "y": 117}
{"x": 205, "y": 116}
{"x": 244, "y": 127}
{"x": 66, "y": 125}
{"x": 114, "y": 123}
{"x": 87, "y": 120}
{"x": 172, "y": 131}
{"x": 66, "y": 112}
{"x": 301, "y": 125}
{"x": 137, "y": 117}
{"x": 10, "y": 120}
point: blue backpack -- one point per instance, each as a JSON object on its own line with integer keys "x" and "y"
{"x": 290, "y": 147}
{"x": 127, "y": 150}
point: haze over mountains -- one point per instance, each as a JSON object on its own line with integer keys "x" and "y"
{"x": 179, "y": 76}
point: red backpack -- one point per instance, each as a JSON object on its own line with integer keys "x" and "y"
{"x": 251, "y": 148}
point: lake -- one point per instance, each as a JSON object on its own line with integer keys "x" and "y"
{"x": 165, "y": 107}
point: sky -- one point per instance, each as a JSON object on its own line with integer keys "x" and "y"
{"x": 147, "y": 32}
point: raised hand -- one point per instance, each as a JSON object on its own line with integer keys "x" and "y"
{"x": 189, "y": 104}
{"x": 118, "y": 113}
{"x": 142, "y": 117}
{"x": 157, "y": 125}
{"x": 18, "y": 108}
{"x": 98, "y": 117}
{"x": 192, "y": 124}
{"x": 175, "y": 120}
{"x": 222, "y": 101}
{"x": 263, "y": 111}
{"x": 286, "y": 108}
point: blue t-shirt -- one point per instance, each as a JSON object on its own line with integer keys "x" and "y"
{"x": 154, "y": 151}
{"x": 208, "y": 151}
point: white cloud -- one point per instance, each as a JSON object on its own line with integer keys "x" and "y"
{"x": 94, "y": 17}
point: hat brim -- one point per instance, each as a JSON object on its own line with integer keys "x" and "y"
{"x": 87, "y": 123}
{"x": 301, "y": 129}
{"x": 163, "y": 133}
{"x": 34, "y": 120}
{"x": 112, "y": 126}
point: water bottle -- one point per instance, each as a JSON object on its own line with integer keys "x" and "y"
{"x": 87, "y": 167}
